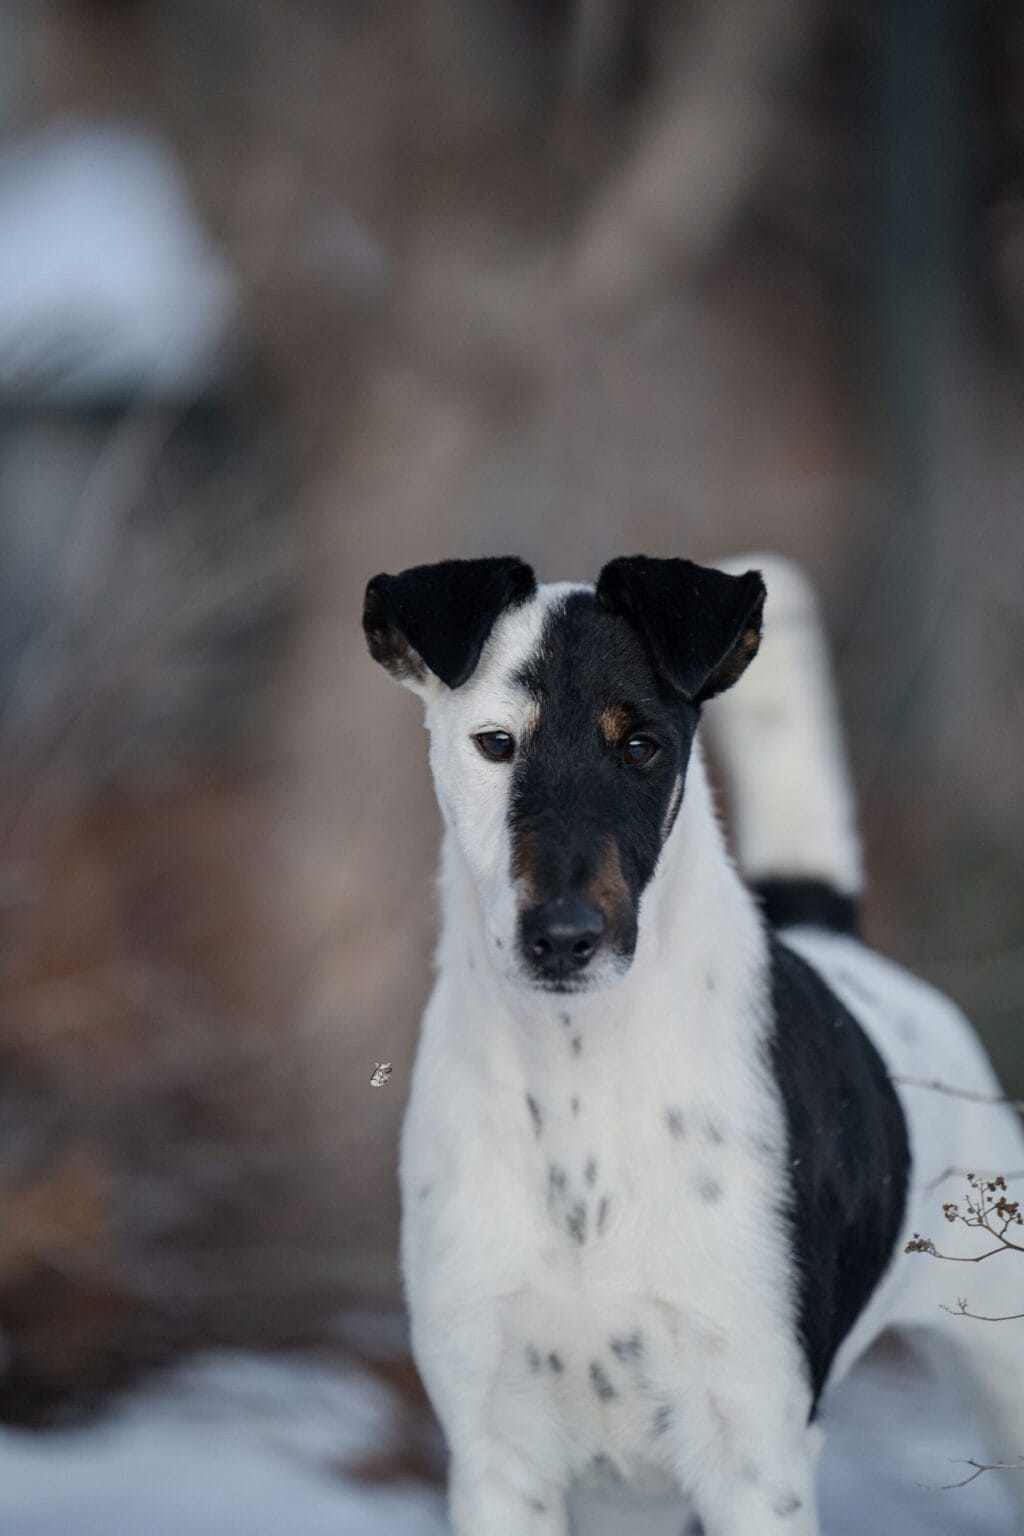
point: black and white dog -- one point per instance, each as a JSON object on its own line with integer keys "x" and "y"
{"x": 658, "y": 1169}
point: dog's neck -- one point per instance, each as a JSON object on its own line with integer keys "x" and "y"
{"x": 699, "y": 931}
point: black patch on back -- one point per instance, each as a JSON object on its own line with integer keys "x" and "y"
{"x": 849, "y": 1158}
{"x": 788, "y": 903}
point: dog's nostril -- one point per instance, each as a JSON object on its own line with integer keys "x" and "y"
{"x": 561, "y": 936}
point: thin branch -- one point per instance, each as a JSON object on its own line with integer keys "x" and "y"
{"x": 925, "y": 1245}
{"x": 960, "y": 1310}
{"x": 979, "y": 1468}
{"x": 961, "y": 1173}
{"x": 987, "y": 1209}
{"x": 960, "y": 1093}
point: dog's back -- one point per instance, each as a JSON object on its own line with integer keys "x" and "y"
{"x": 777, "y": 738}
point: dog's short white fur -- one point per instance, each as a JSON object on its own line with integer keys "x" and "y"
{"x": 524, "y": 1339}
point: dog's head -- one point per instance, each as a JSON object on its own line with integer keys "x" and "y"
{"x": 562, "y": 720}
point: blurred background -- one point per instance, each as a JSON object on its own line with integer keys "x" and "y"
{"x": 294, "y": 292}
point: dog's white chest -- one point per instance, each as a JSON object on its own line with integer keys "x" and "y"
{"x": 592, "y": 1214}
{"x": 592, "y": 1336}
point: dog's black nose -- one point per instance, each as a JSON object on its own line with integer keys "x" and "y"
{"x": 561, "y": 936}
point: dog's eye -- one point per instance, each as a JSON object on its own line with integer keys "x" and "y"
{"x": 639, "y": 750}
{"x": 497, "y": 745}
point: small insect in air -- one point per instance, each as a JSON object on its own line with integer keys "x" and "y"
{"x": 381, "y": 1073}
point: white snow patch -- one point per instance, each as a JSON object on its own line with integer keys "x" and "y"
{"x": 226, "y": 1443}
{"x": 109, "y": 286}
{"x": 249, "y": 1443}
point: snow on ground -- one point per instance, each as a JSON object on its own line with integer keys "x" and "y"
{"x": 226, "y": 1443}
{"x": 248, "y": 1443}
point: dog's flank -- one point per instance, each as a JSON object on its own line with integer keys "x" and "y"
{"x": 849, "y": 1157}
{"x": 668, "y": 1209}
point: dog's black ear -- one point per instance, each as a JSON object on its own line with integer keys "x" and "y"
{"x": 701, "y": 627}
{"x": 437, "y": 618}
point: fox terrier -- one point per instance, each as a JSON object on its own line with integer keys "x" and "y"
{"x": 667, "y": 1139}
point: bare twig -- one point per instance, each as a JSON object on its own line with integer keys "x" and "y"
{"x": 960, "y": 1310}
{"x": 986, "y": 1209}
{"x": 960, "y": 1093}
{"x": 919, "y": 1244}
{"x": 962, "y": 1173}
{"x": 979, "y": 1468}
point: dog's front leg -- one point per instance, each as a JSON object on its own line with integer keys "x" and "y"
{"x": 772, "y": 1495}
{"x": 507, "y": 1475}
{"x": 493, "y": 1491}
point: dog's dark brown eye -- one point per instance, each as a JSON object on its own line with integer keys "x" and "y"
{"x": 638, "y": 750}
{"x": 497, "y": 745}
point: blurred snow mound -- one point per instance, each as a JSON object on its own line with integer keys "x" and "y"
{"x": 110, "y": 289}
{"x": 228, "y": 1442}
{"x": 239, "y": 1442}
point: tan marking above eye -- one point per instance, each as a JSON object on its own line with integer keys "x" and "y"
{"x": 614, "y": 722}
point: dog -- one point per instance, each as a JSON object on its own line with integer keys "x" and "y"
{"x": 666, "y": 1141}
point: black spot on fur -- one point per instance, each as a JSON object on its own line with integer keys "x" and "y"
{"x": 604, "y": 1206}
{"x": 574, "y": 1104}
{"x": 600, "y": 1382}
{"x": 848, "y": 1156}
{"x": 709, "y": 1190}
{"x": 629, "y": 1348}
{"x": 787, "y": 1504}
{"x": 555, "y": 1363}
{"x": 790, "y": 903}
{"x": 537, "y": 1505}
{"x": 590, "y": 1172}
{"x": 577, "y": 1045}
{"x": 535, "y": 1114}
{"x": 566, "y": 1019}
{"x": 576, "y": 1221}
{"x": 557, "y": 1179}
{"x": 662, "y": 1419}
{"x": 533, "y": 1357}
{"x": 676, "y": 1123}
{"x": 713, "y": 1133}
